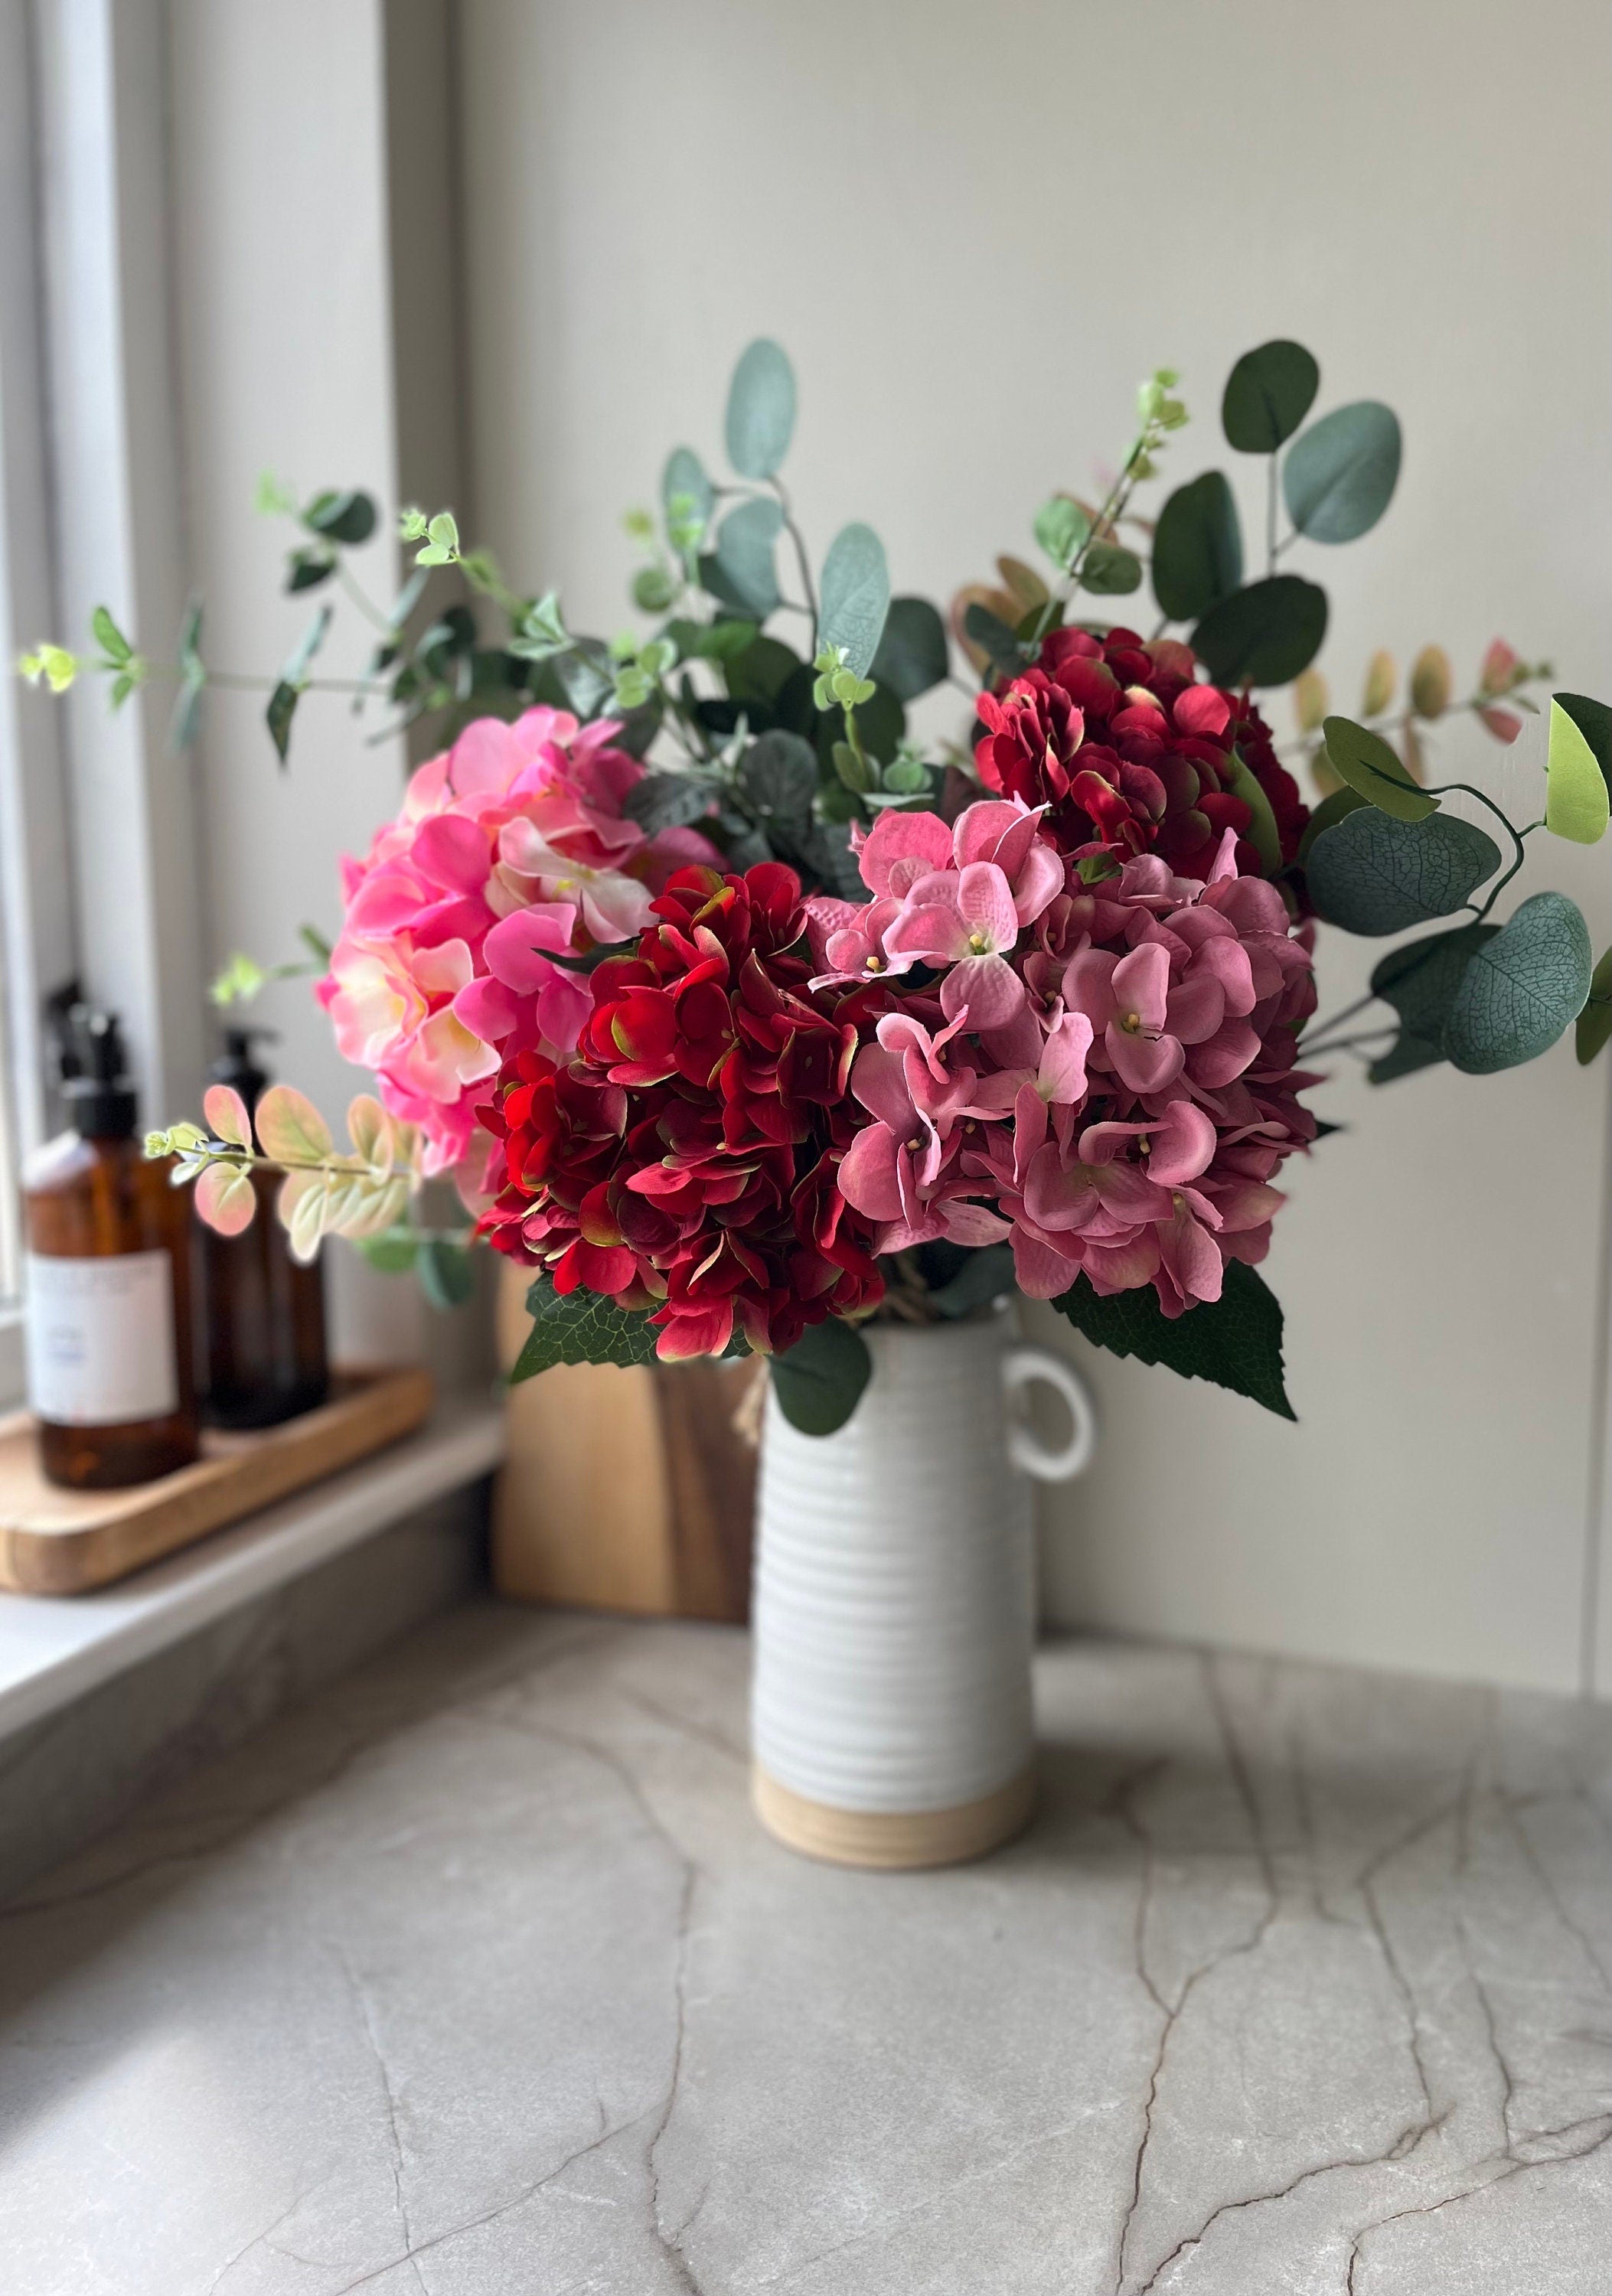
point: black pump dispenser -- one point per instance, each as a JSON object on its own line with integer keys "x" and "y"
{"x": 236, "y": 1065}
{"x": 96, "y": 1089}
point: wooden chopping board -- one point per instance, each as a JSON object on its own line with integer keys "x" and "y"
{"x": 61, "y": 1542}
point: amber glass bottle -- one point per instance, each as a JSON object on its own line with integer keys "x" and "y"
{"x": 262, "y": 1312}
{"x": 109, "y": 1368}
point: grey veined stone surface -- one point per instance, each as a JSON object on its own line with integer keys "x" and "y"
{"x": 475, "y": 1978}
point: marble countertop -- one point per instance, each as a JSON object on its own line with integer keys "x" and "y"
{"x": 474, "y": 1977}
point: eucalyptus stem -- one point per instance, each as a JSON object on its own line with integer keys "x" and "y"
{"x": 802, "y": 560}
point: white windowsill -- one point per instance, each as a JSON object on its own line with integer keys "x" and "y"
{"x": 53, "y": 1650}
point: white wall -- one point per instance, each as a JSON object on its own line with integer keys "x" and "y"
{"x": 975, "y": 228}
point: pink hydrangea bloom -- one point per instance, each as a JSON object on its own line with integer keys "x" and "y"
{"x": 511, "y": 850}
{"x": 1114, "y": 1086}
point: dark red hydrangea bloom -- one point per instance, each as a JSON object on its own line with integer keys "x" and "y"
{"x": 685, "y": 1158}
{"x": 1131, "y": 754}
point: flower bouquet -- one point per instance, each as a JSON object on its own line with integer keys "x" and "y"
{"x": 750, "y": 1019}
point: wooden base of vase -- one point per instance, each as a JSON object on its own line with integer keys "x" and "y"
{"x": 892, "y": 1840}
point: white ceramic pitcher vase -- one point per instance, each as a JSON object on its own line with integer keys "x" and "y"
{"x": 894, "y": 1610}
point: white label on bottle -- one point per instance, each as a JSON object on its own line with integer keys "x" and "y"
{"x": 100, "y": 1339}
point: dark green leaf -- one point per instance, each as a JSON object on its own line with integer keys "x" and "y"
{"x": 1235, "y": 1341}
{"x": 1522, "y": 990}
{"x": 993, "y": 637}
{"x": 1264, "y": 635}
{"x": 446, "y": 1274}
{"x": 820, "y": 1381}
{"x": 1339, "y": 475}
{"x": 308, "y": 568}
{"x": 111, "y": 639}
{"x": 711, "y": 641}
{"x": 1198, "y": 549}
{"x": 854, "y": 597}
{"x": 1110, "y": 572}
{"x": 1595, "y": 1021}
{"x": 1332, "y": 808}
{"x": 759, "y": 671}
{"x": 281, "y": 709}
{"x": 580, "y": 1327}
{"x": 745, "y": 540}
{"x": 779, "y": 779}
{"x": 585, "y": 682}
{"x": 1370, "y": 874}
{"x": 825, "y": 854}
{"x": 986, "y": 1275}
{"x": 349, "y": 518}
{"x": 760, "y": 410}
{"x": 1365, "y": 760}
{"x": 1268, "y": 394}
{"x": 665, "y": 801}
{"x": 1420, "y": 978}
{"x": 1404, "y": 1057}
{"x": 912, "y": 655}
{"x": 1263, "y": 834}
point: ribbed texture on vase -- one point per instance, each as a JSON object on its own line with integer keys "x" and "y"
{"x": 894, "y": 1602}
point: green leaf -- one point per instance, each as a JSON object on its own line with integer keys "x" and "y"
{"x": 1520, "y": 991}
{"x": 1198, "y": 549}
{"x": 685, "y": 476}
{"x": 308, "y": 568}
{"x": 1339, "y": 475}
{"x": 1575, "y": 788}
{"x": 580, "y": 1327}
{"x": 654, "y": 589}
{"x": 665, "y": 801}
{"x": 342, "y": 517}
{"x": 820, "y": 1381}
{"x": 1420, "y": 978}
{"x": 1331, "y": 809}
{"x": 912, "y": 655}
{"x": 986, "y": 1275}
{"x": 1264, "y": 635}
{"x": 1371, "y": 874}
{"x": 778, "y": 777}
{"x": 1268, "y": 394}
{"x": 281, "y": 709}
{"x": 759, "y": 672}
{"x": 1061, "y": 527}
{"x": 854, "y": 597}
{"x": 447, "y": 1276}
{"x": 746, "y": 541}
{"x": 760, "y": 410}
{"x": 1235, "y": 1341}
{"x": 1595, "y": 1021}
{"x": 1263, "y": 830}
{"x": 992, "y": 635}
{"x": 1404, "y": 1057}
{"x": 1109, "y": 572}
{"x": 1365, "y": 760}
{"x": 392, "y": 1252}
{"x": 108, "y": 638}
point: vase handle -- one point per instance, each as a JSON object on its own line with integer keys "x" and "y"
{"x": 1020, "y": 1365}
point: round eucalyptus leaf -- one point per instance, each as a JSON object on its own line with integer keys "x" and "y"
{"x": 820, "y": 1381}
{"x": 1575, "y": 786}
{"x": 760, "y": 410}
{"x": 912, "y": 655}
{"x": 1339, "y": 475}
{"x": 1330, "y": 810}
{"x": 854, "y": 597}
{"x": 1264, "y": 635}
{"x": 684, "y": 482}
{"x": 1522, "y": 990}
{"x": 1420, "y": 978}
{"x": 1268, "y": 394}
{"x": 1365, "y": 760}
{"x": 347, "y": 517}
{"x": 1110, "y": 572}
{"x": 1370, "y": 874}
{"x": 1197, "y": 548}
{"x": 744, "y": 555}
{"x": 779, "y": 778}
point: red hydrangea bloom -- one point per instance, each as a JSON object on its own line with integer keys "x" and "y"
{"x": 685, "y": 1158}
{"x": 1130, "y": 753}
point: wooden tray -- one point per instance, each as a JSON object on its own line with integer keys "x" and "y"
{"x": 57, "y": 1542}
